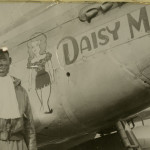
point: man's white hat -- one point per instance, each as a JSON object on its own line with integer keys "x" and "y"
{"x": 4, "y": 49}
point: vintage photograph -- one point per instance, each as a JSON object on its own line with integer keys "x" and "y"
{"x": 74, "y": 76}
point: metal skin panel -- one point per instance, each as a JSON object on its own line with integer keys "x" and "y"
{"x": 101, "y": 69}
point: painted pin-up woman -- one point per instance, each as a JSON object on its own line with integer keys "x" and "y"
{"x": 40, "y": 69}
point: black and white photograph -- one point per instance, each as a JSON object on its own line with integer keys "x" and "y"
{"x": 74, "y": 76}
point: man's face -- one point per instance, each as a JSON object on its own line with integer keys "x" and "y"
{"x": 5, "y": 62}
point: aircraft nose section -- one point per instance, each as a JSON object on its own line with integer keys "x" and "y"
{"x": 141, "y": 53}
{"x": 144, "y": 67}
{"x": 135, "y": 57}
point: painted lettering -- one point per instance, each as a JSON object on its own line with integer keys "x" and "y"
{"x": 94, "y": 40}
{"x": 137, "y": 24}
{"x": 85, "y": 44}
{"x": 67, "y": 58}
{"x": 115, "y": 31}
{"x": 103, "y": 37}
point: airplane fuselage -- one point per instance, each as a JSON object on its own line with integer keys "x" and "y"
{"x": 100, "y": 69}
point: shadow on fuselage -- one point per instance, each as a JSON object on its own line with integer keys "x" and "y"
{"x": 109, "y": 142}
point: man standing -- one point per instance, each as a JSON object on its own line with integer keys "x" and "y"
{"x": 17, "y": 130}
